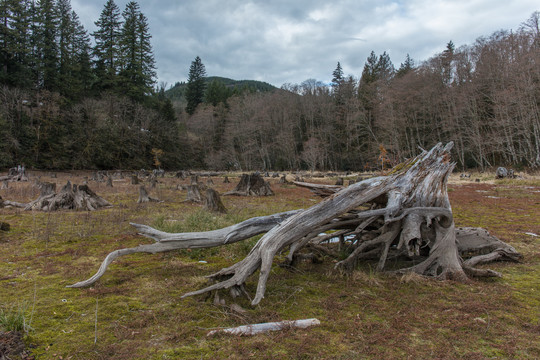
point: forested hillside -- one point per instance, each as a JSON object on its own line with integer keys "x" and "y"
{"x": 231, "y": 87}
{"x": 484, "y": 96}
{"x": 70, "y": 100}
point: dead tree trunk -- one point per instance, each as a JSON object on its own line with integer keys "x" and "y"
{"x": 405, "y": 214}
{"x": 213, "y": 202}
{"x": 251, "y": 185}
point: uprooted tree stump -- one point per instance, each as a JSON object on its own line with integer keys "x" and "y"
{"x": 70, "y": 197}
{"x": 406, "y": 214}
{"x": 213, "y": 202}
{"x": 251, "y": 185}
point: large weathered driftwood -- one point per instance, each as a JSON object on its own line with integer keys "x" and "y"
{"x": 406, "y": 214}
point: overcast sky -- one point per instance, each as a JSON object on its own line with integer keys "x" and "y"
{"x": 289, "y": 41}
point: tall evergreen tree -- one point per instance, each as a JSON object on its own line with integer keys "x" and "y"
{"x": 337, "y": 75}
{"x": 137, "y": 60}
{"x": 446, "y": 62}
{"x": 107, "y": 49}
{"x": 47, "y": 47}
{"x": 14, "y": 42}
{"x": 385, "y": 68}
{"x": 83, "y": 76}
{"x": 405, "y": 66}
{"x": 196, "y": 85}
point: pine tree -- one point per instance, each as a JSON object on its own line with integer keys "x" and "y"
{"x": 405, "y": 67}
{"x": 384, "y": 68}
{"x": 137, "y": 60}
{"x": 46, "y": 45}
{"x": 446, "y": 62}
{"x": 83, "y": 76}
{"x": 106, "y": 50}
{"x": 337, "y": 75}
{"x": 14, "y": 42}
{"x": 196, "y": 85}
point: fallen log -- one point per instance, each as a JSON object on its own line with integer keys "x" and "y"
{"x": 405, "y": 214}
{"x": 321, "y": 190}
{"x": 253, "y": 329}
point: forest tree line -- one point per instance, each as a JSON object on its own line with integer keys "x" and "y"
{"x": 485, "y": 97}
{"x": 74, "y": 100}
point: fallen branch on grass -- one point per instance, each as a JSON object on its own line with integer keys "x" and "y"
{"x": 253, "y": 329}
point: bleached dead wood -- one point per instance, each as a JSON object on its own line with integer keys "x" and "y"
{"x": 254, "y": 329}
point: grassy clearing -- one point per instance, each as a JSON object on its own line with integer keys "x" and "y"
{"x": 365, "y": 316}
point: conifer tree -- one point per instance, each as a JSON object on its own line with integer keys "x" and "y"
{"x": 337, "y": 75}
{"x": 15, "y": 42}
{"x": 47, "y": 47}
{"x": 137, "y": 60}
{"x": 106, "y": 50}
{"x": 406, "y": 66}
{"x": 196, "y": 85}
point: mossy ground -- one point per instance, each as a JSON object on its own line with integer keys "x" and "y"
{"x": 364, "y": 316}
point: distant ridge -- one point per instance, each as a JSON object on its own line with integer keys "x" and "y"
{"x": 177, "y": 91}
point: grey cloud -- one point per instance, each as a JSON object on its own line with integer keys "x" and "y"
{"x": 281, "y": 41}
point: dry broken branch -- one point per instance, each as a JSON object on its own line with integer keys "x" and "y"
{"x": 253, "y": 329}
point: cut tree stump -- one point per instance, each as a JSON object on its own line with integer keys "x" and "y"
{"x": 144, "y": 197}
{"x": 251, "y": 185}
{"x": 212, "y": 201}
{"x": 194, "y": 193}
{"x": 406, "y": 214}
{"x": 134, "y": 179}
